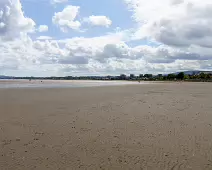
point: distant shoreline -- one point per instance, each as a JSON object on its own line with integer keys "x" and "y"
{"x": 63, "y": 83}
{"x": 92, "y": 81}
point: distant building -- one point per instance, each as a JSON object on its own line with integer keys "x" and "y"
{"x": 159, "y": 76}
{"x": 132, "y": 76}
{"x": 123, "y": 77}
{"x": 148, "y": 75}
{"x": 141, "y": 75}
{"x": 109, "y": 77}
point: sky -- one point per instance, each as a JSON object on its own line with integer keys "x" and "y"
{"x": 107, "y": 37}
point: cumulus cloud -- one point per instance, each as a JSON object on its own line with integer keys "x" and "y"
{"x": 43, "y": 28}
{"x": 98, "y": 21}
{"x": 118, "y": 51}
{"x": 58, "y": 1}
{"x": 44, "y": 38}
{"x": 103, "y": 55}
{"x": 73, "y": 60}
{"x": 178, "y": 23}
{"x": 2, "y": 25}
{"x": 179, "y": 30}
{"x": 66, "y": 19}
{"x": 12, "y": 20}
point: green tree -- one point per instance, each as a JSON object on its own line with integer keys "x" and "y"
{"x": 181, "y": 76}
{"x": 208, "y": 76}
{"x": 164, "y": 77}
{"x": 186, "y": 77}
{"x": 160, "y": 76}
{"x": 202, "y": 75}
{"x": 171, "y": 76}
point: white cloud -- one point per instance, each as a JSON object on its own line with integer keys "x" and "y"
{"x": 98, "y": 55}
{"x": 66, "y": 19}
{"x": 2, "y": 25}
{"x": 1, "y": 14}
{"x": 181, "y": 29}
{"x": 58, "y": 1}
{"x": 98, "y": 20}
{"x": 12, "y": 19}
{"x": 179, "y": 23}
{"x": 43, "y": 28}
{"x": 94, "y": 43}
{"x": 44, "y": 38}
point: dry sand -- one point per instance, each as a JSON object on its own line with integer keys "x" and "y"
{"x": 150, "y": 127}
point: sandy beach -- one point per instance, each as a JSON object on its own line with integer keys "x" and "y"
{"x": 165, "y": 126}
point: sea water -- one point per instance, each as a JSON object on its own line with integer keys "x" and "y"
{"x": 59, "y": 84}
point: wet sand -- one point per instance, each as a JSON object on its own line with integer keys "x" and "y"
{"x": 62, "y": 83}
{"x": 151, "y": 127}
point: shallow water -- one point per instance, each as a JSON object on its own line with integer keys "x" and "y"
{"x": 60, "y": 84}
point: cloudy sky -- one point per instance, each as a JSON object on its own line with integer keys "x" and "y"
{"x": 104, "y": 37}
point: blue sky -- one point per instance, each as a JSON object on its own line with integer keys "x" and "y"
{"x": 42, "y": 11}
{"x": 81, "y": 37}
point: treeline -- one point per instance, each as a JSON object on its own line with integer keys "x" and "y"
{"x": 182, "y": 76}
{"x": 201, "y": 76}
